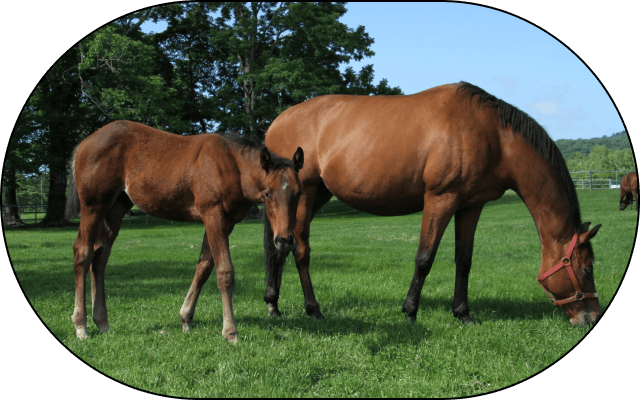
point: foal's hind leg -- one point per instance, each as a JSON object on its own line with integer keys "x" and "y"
{"x": 102, "y": 249}
{"x": 203, "y": 271}
{"x": 466, "y": 222}
{"x": 83, "y": 251}
{"x": 437, "y": 213}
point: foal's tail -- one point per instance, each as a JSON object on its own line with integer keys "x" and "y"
{"x": 72, "y": 207}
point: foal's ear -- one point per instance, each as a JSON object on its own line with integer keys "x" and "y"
{"x": 265, "y": 159}
{"x": 298, "y": 159}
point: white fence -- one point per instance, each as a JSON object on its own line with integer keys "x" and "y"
{"x": 591, "y": 180}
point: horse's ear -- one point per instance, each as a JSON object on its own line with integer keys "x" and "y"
{"x": 586, "y": 236}
{"x": 298, "y": 159}
{"x": 584, "y": 227}
{"x": 265, "y": 159}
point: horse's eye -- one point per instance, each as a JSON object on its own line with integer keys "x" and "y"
{"x": 267, "y": 195}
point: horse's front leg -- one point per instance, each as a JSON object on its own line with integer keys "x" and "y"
{"x": 437, "y": 213}
{"x": 218, "y": 230}
{"x": 466, "y": 222}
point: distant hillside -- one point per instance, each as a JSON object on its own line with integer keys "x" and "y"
{"x": 617, "y": 141}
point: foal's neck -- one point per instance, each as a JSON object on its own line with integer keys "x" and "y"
{"x": 251, "y": 174}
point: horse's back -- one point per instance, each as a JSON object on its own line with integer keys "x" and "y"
{"x": 386, "y": 147}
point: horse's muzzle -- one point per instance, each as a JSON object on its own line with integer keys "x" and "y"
{"x": 284, "y": 244}
{"x": 586, "y": 318}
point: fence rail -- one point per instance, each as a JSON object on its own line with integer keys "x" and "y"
{"x": 25, "y": 213}
{"x": 592, "y": 180}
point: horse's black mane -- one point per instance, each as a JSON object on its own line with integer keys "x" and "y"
{"x": 250, "y": 144}
{"x": 535, "y": 134}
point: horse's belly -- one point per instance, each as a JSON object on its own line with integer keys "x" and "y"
{"x": 397, "y": 198}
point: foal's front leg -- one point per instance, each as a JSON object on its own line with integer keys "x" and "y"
{"x": 218, "y": 230}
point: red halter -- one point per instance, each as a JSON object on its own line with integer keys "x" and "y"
{"x": 566, "y": 262}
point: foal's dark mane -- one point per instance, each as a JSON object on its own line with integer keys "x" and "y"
{"x": 535, "y": 134}
{"x": 251, "y": 145}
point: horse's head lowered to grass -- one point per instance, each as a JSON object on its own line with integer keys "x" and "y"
{"x": 569, "y": 283}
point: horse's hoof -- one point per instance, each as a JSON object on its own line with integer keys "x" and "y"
{"x": 467, "y": 320}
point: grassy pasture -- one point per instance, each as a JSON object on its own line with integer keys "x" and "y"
{"x": 361, "y": 266}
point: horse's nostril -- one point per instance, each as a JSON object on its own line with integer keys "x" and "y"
{"x": 290, "y": 239}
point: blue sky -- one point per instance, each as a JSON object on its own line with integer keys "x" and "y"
{"x": 421, "y": 45}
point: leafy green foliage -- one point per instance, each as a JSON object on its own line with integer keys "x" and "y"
{"x": 617, "y": 141}
{"x": 217, "y": 66}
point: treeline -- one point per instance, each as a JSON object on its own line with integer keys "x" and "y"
{"x": 216, "y": 67}
{"x": 617, "y": 141}
{"x": 607, "y": 153}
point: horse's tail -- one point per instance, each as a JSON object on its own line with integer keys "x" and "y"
{"x": 72, "y": 207}
{"x": 274, "y": 264}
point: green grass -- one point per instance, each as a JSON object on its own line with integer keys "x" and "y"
{"x": 361, "y": 266}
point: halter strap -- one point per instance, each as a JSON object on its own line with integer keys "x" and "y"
{"x": 566, "y": 262}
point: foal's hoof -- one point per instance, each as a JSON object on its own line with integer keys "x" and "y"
{"x": 231, "y": 337}
{"x": 273, "y": 311}
{"x": 81, "y": 334}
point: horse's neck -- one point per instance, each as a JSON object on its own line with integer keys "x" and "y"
{"x": 548, "y": 203}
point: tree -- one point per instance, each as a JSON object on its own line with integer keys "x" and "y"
{"x": 230, "y": 66}
{"x": 278, "y": 55}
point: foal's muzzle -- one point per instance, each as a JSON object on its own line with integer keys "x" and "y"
{"x": 284, "y": 244}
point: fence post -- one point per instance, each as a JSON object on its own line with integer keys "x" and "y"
{"x": 590, "y": 181}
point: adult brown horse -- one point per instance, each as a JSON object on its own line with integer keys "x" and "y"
{"x": 202, "y": 178}
{"x": 629, "y": 190}
{"x": 445, "y": 151}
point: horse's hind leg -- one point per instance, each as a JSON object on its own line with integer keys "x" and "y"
{"x": 203, "y": 271}
{"x": 436, "y": 215}
{"x": 466, "y": 222}
{"x": 102, "y": 249}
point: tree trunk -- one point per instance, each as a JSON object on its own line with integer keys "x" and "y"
{"x": 58, "y": 155}
{"x": 11, "y": 215}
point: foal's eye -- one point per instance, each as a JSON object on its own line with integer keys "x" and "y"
{"x": 267, "y": 195}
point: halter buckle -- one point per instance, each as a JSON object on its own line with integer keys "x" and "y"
{"x": 565, "y": 261}
{"x": 579, "y": 296}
